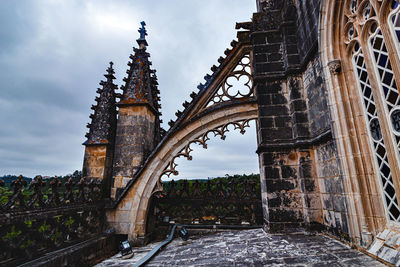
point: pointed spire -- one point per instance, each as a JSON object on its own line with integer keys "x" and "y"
{"x": 141, "y": 84}
{"x": 104, "y": 118}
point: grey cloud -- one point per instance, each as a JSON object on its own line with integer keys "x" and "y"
{"x": 54, "y": 53}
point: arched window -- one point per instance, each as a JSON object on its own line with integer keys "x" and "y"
{"x": 372, "y": 39}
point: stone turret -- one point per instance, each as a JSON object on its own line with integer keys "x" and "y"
{"x": 98, "y": 157}
{"x": 138, "y": 127}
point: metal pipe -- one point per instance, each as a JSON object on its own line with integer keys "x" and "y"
{"x": 155, "y": 250}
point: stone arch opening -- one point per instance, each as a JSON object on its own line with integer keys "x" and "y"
{"x": 231, "y": 199}
{"x": 131, "y": 213}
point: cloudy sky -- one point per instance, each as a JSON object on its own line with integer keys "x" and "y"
{"x": 53, "y": 54}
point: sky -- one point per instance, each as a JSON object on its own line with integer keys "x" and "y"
{"x": 54, "y": 53}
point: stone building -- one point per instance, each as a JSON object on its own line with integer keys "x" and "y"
{"x": 322, "y": 78}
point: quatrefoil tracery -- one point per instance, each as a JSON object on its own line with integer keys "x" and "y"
{"x": 238, "y": 85}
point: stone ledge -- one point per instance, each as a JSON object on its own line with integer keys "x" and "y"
{"x": 386, "y": 246}
{"x": 324, "y": 137}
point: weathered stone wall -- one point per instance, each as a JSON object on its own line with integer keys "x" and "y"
{"x": 134, "y": 142}
{"x": 307, "y": 27}
{"x": 94, "y": 161}
{"x": 328, "y": 168}
{"x": 317, "y": 100}
{"x": 332, "y": 188}
{"x": 301, "y": 177}
{"x": 97, "y": 163}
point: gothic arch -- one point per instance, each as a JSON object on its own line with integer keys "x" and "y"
{"x": 132, "y": 210}
{"x": 227, "y": 98}
{"x": 343, "y": 29}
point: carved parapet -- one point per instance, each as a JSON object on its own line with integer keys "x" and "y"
{"x": 88, "y": 190}
{"x": 31, "y": 227}
{"x": 223, "y": 201}
{"x": 17, "y": 198}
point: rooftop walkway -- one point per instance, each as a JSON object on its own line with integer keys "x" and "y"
{"x": 250, "y": 248}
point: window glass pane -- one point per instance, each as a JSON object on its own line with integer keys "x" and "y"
{"x": 376, "y": 135}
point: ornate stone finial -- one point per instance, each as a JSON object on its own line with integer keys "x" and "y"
{"x": 335, "y": 66}
{"x": 143, "y": 32}
{"x": 110, "y": 71}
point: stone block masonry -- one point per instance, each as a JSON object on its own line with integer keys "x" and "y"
{"x": 294, "y": 121}
{"x": 97, "y": 163}
{"x": 133, "y": 143}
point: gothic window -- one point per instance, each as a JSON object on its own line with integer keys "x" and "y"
{"x": 373, "y": 49}
{"x": 376, "y": 134}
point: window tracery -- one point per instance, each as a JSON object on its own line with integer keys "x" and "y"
{"x": 366, "y": 43}
{"x": 376, "y": 135}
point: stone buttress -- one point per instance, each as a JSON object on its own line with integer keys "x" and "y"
{"x": 138, "y": 127}
{"x": 99, "y": 145}
{"x": 301, "y": 177}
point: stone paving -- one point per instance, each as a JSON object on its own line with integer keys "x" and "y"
{"x": 250, "y": 248}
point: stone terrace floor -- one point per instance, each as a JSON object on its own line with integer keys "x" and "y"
{"x": 250, "y": 248}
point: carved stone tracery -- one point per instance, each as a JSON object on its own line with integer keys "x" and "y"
{"x": 238, "y": 85}
{"x": 202, "y": 140}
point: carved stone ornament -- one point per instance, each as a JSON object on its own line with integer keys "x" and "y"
{"x": 220, "y": 131}
{"x": 267, "y": 21}
{"x": 335, "y": 66}
{"x": 266, "y": 5}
